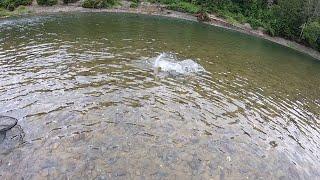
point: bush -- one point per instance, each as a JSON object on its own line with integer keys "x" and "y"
{"x": 240, "y": 18}
{"x": 12, "y": 4}
{"x": 47, "y": 2}
{"x": 312, "y": 34}
{"x": 185, "y": 7}
{"x": 98, "y": 3}
{"x": 165, "y": 1}
{"x": 4, "y": 12}
{"x": 269, "y": 29}
{"x": 134, "y": 3}
{"x": 288, "y": 18}
{"x": 69, "y": 1}
{"x": 18, "y": 11}
{"x": 255, "y": 23}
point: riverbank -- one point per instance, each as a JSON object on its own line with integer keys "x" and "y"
{"x": 160, "y": 10}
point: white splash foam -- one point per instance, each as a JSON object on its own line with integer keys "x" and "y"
{"x": 167, "y": 63}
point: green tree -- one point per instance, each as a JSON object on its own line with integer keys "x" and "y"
{"x": 289, "y": 18}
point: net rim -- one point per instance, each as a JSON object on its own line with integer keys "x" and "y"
{"x": 10, "y": 126}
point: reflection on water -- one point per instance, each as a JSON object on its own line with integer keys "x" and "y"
{"x": 90, "y": 105}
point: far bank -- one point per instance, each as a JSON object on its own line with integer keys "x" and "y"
{"x": 161, "y": 10}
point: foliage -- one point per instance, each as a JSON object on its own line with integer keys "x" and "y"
{"x": 134, "y": 3}
{"x": 312, "y": 34}
{"x": 12, "y": 4}
{"x": 288, "y": 18}
{"x": 98, "y": 3}
{"x": 4, "y": 12}
{"x": 164, "y": 1}
{"x": 69, "y": 1}
{"x": 184, "y": 7}
{"x": 47, "y": 2}
{"x": 18, "y": 11}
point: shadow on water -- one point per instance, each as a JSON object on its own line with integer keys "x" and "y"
{"x": 89, "y": 103}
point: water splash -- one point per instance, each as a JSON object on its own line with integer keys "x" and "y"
{"x": 167, "y": 63}
{"x": 156, "y": 63}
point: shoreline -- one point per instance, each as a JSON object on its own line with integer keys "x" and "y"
{"x": 160, "y": 10}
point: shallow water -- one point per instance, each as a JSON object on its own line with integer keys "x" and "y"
{"x": 90, "y": 104}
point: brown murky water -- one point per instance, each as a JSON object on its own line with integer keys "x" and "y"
{"x": 91, "y": 106}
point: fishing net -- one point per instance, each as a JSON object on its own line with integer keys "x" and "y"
{"x": 6, "y": 123}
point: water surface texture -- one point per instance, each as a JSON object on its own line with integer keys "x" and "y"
{"x": 90, "y": 103}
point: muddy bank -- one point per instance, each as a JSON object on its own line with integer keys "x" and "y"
{"x": 160, "y": 10}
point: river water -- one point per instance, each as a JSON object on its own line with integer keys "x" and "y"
{"x": 90, "y": 103}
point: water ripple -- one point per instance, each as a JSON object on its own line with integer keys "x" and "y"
{"x": 96, "y": 91}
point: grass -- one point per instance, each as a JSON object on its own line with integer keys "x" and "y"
{"x": 17, "y": 12}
